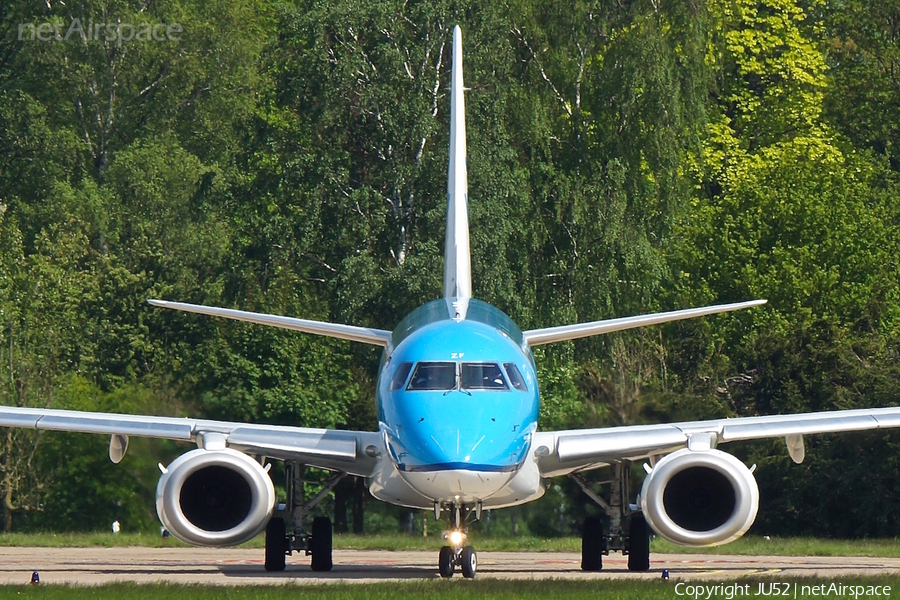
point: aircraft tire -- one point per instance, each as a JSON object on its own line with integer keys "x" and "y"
{"x": 320, "y": 544}
{"x": 445, "y": 562}
{"x": 638, "y": 544}
{"x": 276, "y": 544}
{"x": 592, "y": 544}
{"x": 468, "y": 562}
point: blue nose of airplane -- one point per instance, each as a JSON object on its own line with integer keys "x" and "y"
{"x": 458, "y": 447}
{"x": 465, "y": 459}
{"x": 464, "y": 434}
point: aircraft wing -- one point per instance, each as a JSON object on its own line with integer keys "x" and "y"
{"x": 353, "y": 452}
{"x": 564, "y": 452}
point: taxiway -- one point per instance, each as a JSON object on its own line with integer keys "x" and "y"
{"x": 96, "y": 566}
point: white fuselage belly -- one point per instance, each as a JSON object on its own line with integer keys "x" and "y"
{"x": 421, "y": 489}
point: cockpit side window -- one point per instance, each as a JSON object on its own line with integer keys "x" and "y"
{"x": 482, "y": 376}
{"x": 515, "y": 377}
{"x": 433, "y": 376}
{"x": 400, "y": 376}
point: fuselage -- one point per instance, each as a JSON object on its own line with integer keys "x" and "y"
{"x": 458, "y": 403}
{"x": 457, "y": 392}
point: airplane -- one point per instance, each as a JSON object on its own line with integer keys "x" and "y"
{"x": 457, "y": 404}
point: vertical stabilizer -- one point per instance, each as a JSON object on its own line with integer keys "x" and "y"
{"x": 457, "y": 264}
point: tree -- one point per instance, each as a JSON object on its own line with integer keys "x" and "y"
{"x": 863, "y": 52}
{"x": 785, "y": 209}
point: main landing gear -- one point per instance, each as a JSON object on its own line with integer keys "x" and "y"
{"x": 456, "y": 554}
{"x": 286, "y": 531}
{"x": 595, "y": 543}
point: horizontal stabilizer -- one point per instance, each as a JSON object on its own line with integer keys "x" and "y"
{"x": 377, "y": 337}
{"x": 571, "y": 332}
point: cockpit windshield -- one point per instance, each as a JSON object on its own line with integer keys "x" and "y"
{"x": 400, "y": 376}
{"x": 433, "y": 376}
{"x": 445, "y": 376}
{"x": 515, "y": 377}
{"x": 481, "y": 376}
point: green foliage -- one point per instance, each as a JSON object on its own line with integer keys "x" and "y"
{"x": 863, "y": 51}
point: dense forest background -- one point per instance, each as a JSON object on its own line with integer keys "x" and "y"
{"x": 290, "y": 157}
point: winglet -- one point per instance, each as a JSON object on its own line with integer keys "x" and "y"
{"x": 457, "y": 262}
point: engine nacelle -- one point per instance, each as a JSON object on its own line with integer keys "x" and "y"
{"x": 703, "y": 498}
{"x": 214, "y": 497}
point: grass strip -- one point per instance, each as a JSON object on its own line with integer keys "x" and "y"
{"x": 479, "y": 588}
{"x": 748, "y": 545}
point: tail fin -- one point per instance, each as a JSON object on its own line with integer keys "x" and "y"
{"x": 457, "y": 263}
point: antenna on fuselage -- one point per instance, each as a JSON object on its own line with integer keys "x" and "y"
{"x": 457, "y": 262}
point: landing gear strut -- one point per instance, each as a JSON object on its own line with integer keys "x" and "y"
{"x": 457, "y": 555}
{"x": 286, "y": 531}
{"x": 595, "y": 543}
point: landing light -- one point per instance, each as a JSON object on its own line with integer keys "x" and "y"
{"x": 456, "y": 537}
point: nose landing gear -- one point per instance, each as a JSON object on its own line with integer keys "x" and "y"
{"x": 449, "y": 558}
{"x": 457, "y": 555}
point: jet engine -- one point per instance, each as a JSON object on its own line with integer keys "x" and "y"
{"x": 214, "y": 497}
{"x": 700, "y": 498}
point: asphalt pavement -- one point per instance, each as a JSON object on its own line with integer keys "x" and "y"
{"x": 230, "y": 566}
